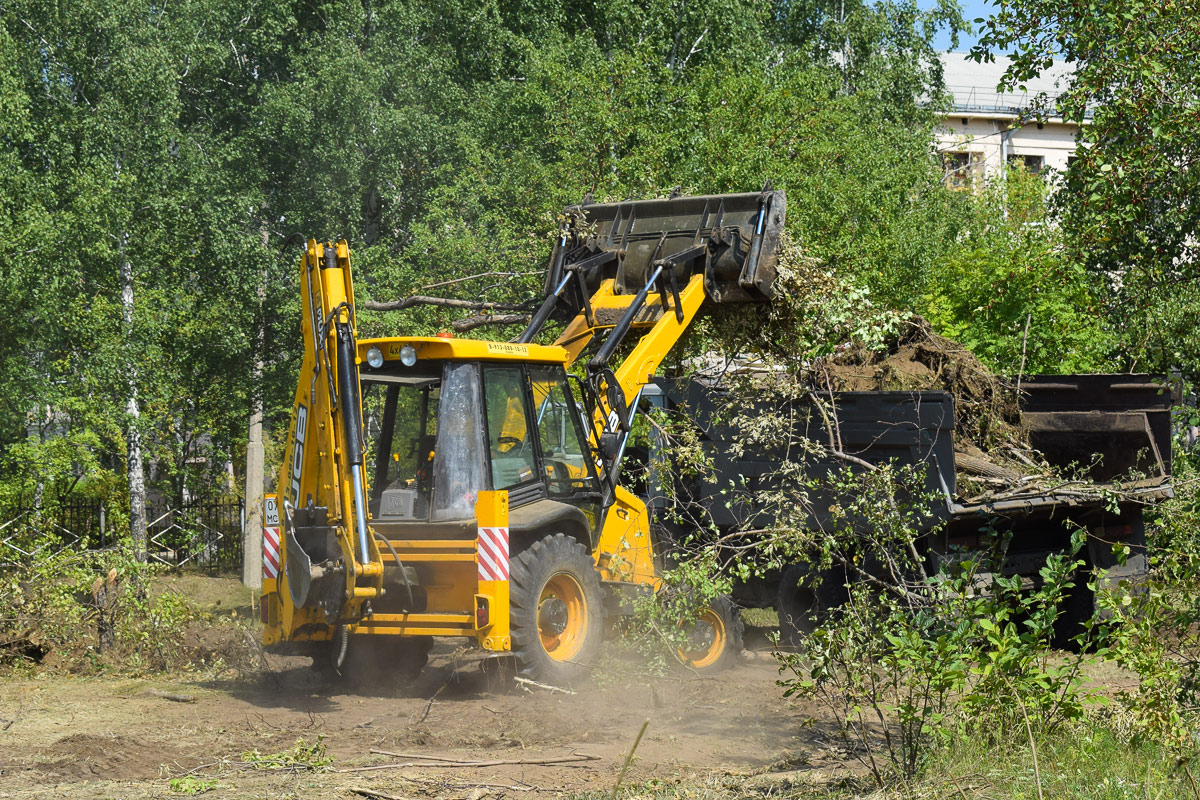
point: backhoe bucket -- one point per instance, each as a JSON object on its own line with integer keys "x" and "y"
{"x": 732, "y": 239}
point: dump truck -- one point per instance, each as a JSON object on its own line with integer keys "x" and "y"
{"x": 1110, "y": 434}
{"x": 451, "y": 487}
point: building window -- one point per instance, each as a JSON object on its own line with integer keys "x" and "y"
{"x": 1031, "y": 164}
{"x": 959, "y": 169}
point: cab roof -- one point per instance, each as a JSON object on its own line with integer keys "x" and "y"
{"x": 454, "y": 349}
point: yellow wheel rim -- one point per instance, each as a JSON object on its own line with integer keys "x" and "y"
{"x": 562, "y": 617}
{"x": 708, "y": 641}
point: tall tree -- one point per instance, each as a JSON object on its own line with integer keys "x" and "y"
{"x": 1130, "y": 208}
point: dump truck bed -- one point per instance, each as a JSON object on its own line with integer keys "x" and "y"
{"x": 1111, "y": 430}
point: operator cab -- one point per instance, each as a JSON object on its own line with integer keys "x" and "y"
{"x": 440, "y": 431}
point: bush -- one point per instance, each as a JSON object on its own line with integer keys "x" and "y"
{"x": 84, "y": 611}
{"x": 914, "y": 662}
{"x": 1154, "y": 627}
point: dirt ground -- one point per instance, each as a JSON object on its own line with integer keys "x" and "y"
{"x": 115, "y": 738}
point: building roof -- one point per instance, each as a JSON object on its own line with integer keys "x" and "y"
{"x": 974, "y": 85}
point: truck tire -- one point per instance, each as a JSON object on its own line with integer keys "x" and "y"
{"x": 804, "y": 603}
{"x": 557, "y": 610}
{"x": 1079, "y": 605}
{"x": 715, "y": 639}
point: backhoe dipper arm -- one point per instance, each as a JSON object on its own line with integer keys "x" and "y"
{"x": 330, "y": 561}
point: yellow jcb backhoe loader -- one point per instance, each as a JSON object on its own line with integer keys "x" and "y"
{"x": 453, "y": 487}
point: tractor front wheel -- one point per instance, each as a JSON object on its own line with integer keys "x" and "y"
{"x": 557, "y": 617}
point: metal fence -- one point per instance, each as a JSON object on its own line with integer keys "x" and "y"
{"x": 207, "y": 535}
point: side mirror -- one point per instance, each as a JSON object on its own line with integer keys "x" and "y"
{"x": 610, "y": 444}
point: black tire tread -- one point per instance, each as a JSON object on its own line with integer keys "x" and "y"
{"x": 735, "y": 629}
{"x": 529, "y": 570}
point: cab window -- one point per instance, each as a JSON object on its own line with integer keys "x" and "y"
{"x": 509, "y": 442}
{"x": 564, "y": 449}
{"x": 401, "y": 427}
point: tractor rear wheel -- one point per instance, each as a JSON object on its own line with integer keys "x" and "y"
{"x": 380, "y": 663}
{"x": 557, "y": 614}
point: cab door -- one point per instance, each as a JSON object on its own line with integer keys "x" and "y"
{"x": 565, "y": 457}
{"x": 511, "y": 445}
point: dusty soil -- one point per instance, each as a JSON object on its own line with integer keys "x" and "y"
{"x": 109, "y": 737}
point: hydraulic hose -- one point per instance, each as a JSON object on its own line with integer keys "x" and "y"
{"x": 412, "y": 604}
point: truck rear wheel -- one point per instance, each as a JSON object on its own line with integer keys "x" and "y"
{"x": 715, "y": 640}
{"x": 557, "y": 615}
{"x": 804, "y": 601}
{"x": 1103, "y": 568}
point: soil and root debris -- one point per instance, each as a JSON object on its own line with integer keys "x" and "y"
{"x": 827, "y": 335}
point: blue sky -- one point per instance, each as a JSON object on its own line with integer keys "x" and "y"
{"x": 971, "y": 10}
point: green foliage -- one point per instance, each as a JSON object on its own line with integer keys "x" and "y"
{"x": 913, "y": 662}
{"x": 93, "y": 610}
{"x": 1128, "y": 207}
{"x": 1009, "y": 292}
{"x": 1154, "y": 626}
{"x": 1085, "y": 760}
{"x": 190, "y": 784}
{"x": 189, "y": 142}
{"x": 300, "y": 757}
{"x": 815, "y": 312}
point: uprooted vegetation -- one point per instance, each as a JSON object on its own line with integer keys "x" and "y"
{"x": 826, "y": 335}
{"x": 986, "y": 408}
{"x": 823, "y": 334}
{"x": 79, "y": 611}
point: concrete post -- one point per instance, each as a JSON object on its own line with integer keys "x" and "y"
{"x": 252, "y": 546}
{"x": 252, "y": 536}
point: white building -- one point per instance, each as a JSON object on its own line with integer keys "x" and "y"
{"x": 984, "y": 128}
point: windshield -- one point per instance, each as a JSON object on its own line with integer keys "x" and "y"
{"x": 458, "y": 468}
{"x": 425, "y": 441}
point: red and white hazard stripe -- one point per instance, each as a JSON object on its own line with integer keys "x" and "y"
{"x": 270, "y": 552}
{"x": 493, "y": 554}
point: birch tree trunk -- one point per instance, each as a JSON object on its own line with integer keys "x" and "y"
{"x": 133, "y": 434}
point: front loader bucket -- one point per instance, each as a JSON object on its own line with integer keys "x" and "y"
{"x": 732, "y": 239}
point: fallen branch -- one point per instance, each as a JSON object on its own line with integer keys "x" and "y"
{"x": 546, "y": 686}
{"x": 523, "y": 787}
{"x": 377, "y": 752}
{"x": 437, "y": 761}
{"x": 480, "y": 320}
{"x": 177, "y": 698}
{"x": 375, "y": 794}
{"x": 576, "y": 756}
{"x": 429, "y": 705}
{"x": 444, "y": 302}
